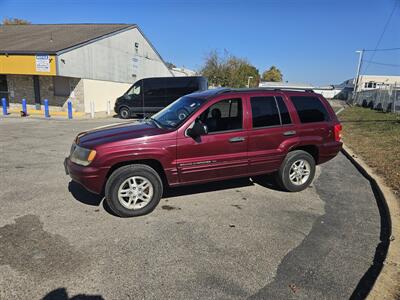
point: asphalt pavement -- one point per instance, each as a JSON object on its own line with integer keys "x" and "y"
{"x": 236, "y": 239}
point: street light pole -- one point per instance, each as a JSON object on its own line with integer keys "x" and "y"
{"x": 248, "y": 81}
{"x": 360, "y": 58}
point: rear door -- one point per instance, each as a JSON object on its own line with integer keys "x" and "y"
{"x": 314, "y": 118}
{"x": 271, "y": 126}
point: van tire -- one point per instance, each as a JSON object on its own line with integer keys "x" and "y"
{"x": 117, "y": 180}
{"x": 285, "y": 171}
{"x": 124, "y": 113}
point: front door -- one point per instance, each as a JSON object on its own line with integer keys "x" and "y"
{"x": 222, "y": 153}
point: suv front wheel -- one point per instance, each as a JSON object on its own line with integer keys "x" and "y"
{"x": 297, "y": 171}
{"x": 133, "y": 190}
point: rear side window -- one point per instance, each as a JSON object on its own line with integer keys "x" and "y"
{"x": 310, "y": 109}
{"x": 269, "y": 111}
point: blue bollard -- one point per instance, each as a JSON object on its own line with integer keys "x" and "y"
{"x": 69, "y": 110}
{"x": 46, "y": 108}
{"x": 24, "y": 109}
{"x": 4, "y": 104}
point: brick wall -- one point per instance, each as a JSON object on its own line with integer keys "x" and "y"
{"x": 21, "y": 86}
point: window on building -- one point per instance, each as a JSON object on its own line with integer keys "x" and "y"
{"x": 310, "y": 109}
{"x": 264, "y": 111}
{"x": 224, "y": 115}
{"x": 370, "y": 85}
{"x": 61, "y": 86}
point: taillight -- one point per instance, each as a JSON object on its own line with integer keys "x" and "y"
{"x": 338, "y": 132}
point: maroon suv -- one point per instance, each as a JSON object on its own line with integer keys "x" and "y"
{"x": 212, "y": 135}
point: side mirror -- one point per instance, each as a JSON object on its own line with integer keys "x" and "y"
{"x": 197, "y": 130}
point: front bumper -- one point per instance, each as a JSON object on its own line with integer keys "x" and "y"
{"x": 91, "y": 178}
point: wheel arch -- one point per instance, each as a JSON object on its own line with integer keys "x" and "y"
{"x": 153, "y": 163}
{"x": 313, "y": 150}
{"x": 122, "y": 107}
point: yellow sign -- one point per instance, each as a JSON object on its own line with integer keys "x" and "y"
{"x": 28, "y": 64}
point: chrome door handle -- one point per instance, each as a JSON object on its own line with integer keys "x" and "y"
{"x": 237, "y": 139}
{"x": 289, "y": 133}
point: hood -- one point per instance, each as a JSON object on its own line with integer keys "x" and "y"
{"x": 117, "y": 132}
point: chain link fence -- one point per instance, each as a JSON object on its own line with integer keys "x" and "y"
{"x": 384, "y": 98}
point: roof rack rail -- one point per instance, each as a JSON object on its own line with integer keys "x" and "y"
{"x": 225, "y": 90}
{"x": 222, "y": 90}
{"x": 295, "y": 89}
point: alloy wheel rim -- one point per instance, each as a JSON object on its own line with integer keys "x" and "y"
{"x": 135, "y": 192}
{"x": 299, "y": 172}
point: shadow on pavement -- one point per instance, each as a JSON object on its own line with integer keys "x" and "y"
{"x": 61, "y": 294}
{"x": 83, "y": 195}
{"x": 268, "y": 181}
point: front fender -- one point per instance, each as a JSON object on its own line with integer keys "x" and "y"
{"x": 164, "y": 152}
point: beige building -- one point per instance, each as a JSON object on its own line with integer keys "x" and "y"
{"x": 370, "y": 82}
{"x": 90, "y": 64}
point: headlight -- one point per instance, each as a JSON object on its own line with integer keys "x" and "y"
{"x": 82, "y": 156}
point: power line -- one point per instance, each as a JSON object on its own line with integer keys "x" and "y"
{"x": 381, "y": 63}
{"x": 387, "y": 49}
{"x": 383, "y": 33}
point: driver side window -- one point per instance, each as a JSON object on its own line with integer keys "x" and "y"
{"x": 134, "y": 91}
{"x": 225, "y": 115}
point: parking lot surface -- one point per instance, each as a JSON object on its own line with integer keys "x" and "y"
{"x": 227, "y": 240}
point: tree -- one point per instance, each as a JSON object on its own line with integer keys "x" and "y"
{"x": 273, "y": 74}
{"x": 15, "y": 21}
{"x": 229, "y": 71}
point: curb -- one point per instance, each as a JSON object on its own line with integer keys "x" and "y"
{"x": 381, "y": 281}
{"x": 52, "y": 113}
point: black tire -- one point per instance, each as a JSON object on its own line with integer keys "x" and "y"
{"x": 283, "y": 173}
{"x": 118, "y": 177}
{"x": 124, "y": 113}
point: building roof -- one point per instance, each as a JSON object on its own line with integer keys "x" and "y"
{"x": 52, "y": 38}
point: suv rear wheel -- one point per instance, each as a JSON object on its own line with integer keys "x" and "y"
{"x": 124, "y": 113}
{"x": 297, "y": 171}
{"x": 133, "y": 190}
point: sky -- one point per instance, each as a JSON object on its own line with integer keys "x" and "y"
{"x": 310, "y": 41}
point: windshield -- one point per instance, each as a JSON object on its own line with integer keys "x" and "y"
{"x": 177, "y": 112}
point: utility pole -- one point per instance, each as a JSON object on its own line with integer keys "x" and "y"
{"x": 360, "y": 58}
{"x": 248, "y": 81}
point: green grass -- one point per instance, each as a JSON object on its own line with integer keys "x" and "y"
{"x": 375, "y": 136}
